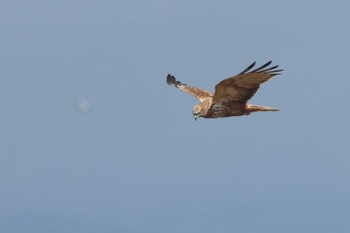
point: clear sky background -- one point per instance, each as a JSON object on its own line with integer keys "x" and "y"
{"x": 137, "y": 161}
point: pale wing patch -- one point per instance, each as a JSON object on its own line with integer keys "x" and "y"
{"x": 194, "y": 91}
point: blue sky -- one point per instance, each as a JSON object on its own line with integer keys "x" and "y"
{"x": 137, "y": 161}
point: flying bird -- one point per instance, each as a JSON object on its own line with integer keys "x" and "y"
{"x": 231, "y": 95}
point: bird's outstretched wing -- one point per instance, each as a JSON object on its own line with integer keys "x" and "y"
{"x": 194, "y": 91}
{"x": 242, "y": 87}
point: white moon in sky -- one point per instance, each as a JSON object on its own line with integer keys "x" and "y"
{"x": 84, "y": 105}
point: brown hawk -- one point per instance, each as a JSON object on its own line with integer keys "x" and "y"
{"x": 231, "y": 95}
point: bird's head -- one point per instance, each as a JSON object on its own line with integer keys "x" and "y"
{"x": 196, "y": 111}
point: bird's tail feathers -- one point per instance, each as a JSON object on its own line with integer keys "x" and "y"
{"x": 256, "y": 108}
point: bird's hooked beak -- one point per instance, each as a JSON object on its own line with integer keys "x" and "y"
{"x": 195, "y": 117}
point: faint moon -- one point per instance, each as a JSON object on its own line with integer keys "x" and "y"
{"x": 84, "y": 105}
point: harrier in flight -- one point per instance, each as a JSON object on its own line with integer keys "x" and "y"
{"x": 231, "y": 95}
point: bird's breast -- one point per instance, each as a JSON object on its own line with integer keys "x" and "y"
{"x": 226, "y": 110}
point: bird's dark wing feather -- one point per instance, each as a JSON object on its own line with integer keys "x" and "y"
{"x": 194, "y": 91}
{"x": 242, "y": 87}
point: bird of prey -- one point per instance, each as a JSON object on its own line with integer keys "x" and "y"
{"x": 231, "y": 95}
